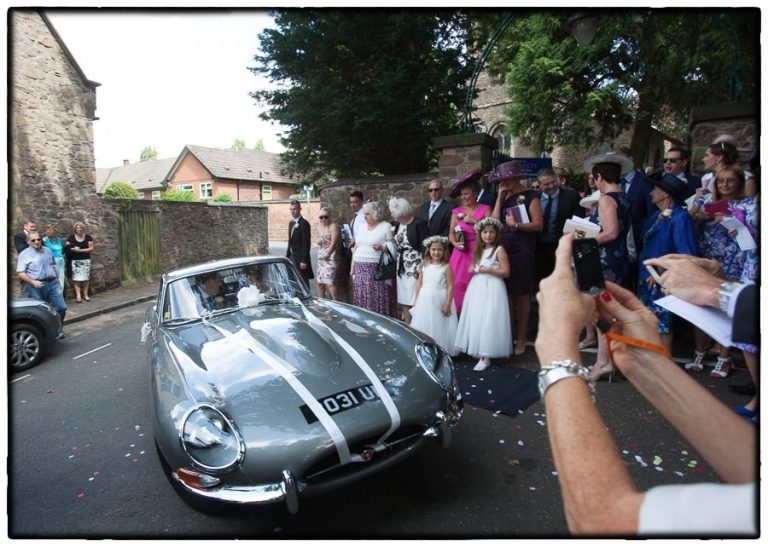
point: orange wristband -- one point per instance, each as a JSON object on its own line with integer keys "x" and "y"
{"x": 629, "y": 340}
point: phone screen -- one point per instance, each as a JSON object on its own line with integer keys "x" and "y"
{"x": 587, "y": 265}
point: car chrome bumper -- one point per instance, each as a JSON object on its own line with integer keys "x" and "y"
{"x": 288, "y": 488}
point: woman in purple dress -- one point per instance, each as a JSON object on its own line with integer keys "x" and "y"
{"x": 462, "y": 231}
{"x": 518, "y": 237}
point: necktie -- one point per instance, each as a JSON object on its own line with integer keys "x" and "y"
{"x": 293, "y": 226}
{"x": 432, "y": 210}
{"x": 547, "y": 213}
{"x": 624, "y": 185}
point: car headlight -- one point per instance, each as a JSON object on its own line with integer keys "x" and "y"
{"x": 436, "y": 362}
{"x": 209, "y": 437}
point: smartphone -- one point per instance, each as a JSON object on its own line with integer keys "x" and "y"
{"x": 587, "y": 266}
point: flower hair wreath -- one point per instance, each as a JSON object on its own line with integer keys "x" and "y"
{"x": 434, "y": 239}
{"x": 486, "y": 222}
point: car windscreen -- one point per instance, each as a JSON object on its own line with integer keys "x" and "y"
{"x": 230, "y": 289}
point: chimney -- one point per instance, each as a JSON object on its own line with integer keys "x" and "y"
{"x": 126, "y": 162}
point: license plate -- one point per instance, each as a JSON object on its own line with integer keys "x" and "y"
{"x": 343, "y": 400}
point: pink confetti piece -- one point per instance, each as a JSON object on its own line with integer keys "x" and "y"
{"x": 80, "y": 495}
{"x": 632, "y": 446}
{"x": 95, "y": 473}
{"x": 518, "y": 427}
{"x": 134, "y": 460}
{"x": 701, "y": 469}
{"x": 74, "y": 448}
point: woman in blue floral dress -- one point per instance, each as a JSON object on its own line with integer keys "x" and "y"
{"x": 670, "y": 231}
{"x": 727, "y": 200}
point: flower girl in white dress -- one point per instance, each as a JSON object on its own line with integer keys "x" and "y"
{"x": 484, "y": 326}
{"x": 434, "y": 312}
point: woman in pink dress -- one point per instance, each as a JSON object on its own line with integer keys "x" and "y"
{"x": 462, "y": 231}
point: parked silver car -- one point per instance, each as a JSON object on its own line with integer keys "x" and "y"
{"x": 34, "y": 327}
{"x": 263, "y": 394}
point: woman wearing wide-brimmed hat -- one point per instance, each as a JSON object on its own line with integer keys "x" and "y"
{"x": 671, "y": 231}
{"x": 614, "y": 216}
{"x": 461, "y": 234}
{"x": 518, "y": 240}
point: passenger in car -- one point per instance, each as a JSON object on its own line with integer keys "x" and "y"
{"x": 208, "y": 289}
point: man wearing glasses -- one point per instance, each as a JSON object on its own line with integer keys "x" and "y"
{"x": 437, "y": 212}
{"x": 676, "y": 163}
{"x": 36, "y": 267}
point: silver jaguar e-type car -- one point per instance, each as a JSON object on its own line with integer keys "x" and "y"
{"x": 263, "y": 394}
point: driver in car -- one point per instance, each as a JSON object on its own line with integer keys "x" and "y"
{"x": 208, "y": 288}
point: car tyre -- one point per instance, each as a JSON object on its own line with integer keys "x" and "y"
{"x": 198, "y": 503}
{"x": 26, "y": 347}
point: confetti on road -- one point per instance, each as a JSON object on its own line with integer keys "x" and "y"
{"x": 640, "y": 461}
{"x": 692, "y": 463}
{"x": 531, "y": 488}
{"x": 554, "y": 473}
{"x": 625, "y": 451}
{"x": 540, "y": 422}
{"x": 657, "y": 460}
{"x": 520, "y": 443}
{"x": 657, "y": 468}
{"x": 679, "y": 473}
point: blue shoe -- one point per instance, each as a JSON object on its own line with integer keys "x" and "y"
{"x": 744, "y": 411}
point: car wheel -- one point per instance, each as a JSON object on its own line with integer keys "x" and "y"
{"x": 198, "y": 503}
{"x": 26, "y": 347}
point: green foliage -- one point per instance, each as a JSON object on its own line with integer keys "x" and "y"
{"x": 362, "y": 91}
{"x": 148, "y": 154}
{"x": 223, "y": 198}
{"x": 179, "y": 195}
{"x": 259, "y": 145}
{"x": 121, "y": 190}
{"x": 644, "y": 67}
{"x": 238, "y": 144}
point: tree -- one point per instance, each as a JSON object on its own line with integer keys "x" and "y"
{"x": 259, "y": 145}
{"x": 365, "y": 91}
{"x": 121, "y": 190}
{"x": 148, "y": 154}
{"x": 644, "y": 68}
{"x": 238, "y": 144}
{"x": 179, "y": 195}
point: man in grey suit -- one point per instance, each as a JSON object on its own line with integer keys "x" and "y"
{"x": 558, "y": 204}
{"x": 437, "y": 212}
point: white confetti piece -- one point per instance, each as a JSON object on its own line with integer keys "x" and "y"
{"x": 657, "y": 468}
{"x": 684, "y": 452}
{"x": 128, "y": 455}
{"x": 520, "y": 443}
{"x": 519, "y": 411}
{"x": 535, "y": 413}
{"x": 133, "y": 446}
{"x": 531, "y": 488}
{"x": 640, "y": 461}
{"x": 473, "y": 385}
{"x": 72, "y": 456}
{"x": 90, "y": 479}
{"x": 625, "y": 451}
{"x": 540, "y": 422}
{"x": 489, "y": 392}
{"x": 142, "y": 452}
{"x": 554, "y": 473}
{"x": 679, "y": 473}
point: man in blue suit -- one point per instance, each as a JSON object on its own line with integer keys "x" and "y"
{"x": 641, "y": 207}
{"x": 676, "y": 162}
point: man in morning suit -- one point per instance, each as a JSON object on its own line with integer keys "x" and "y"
{"x": 558, "y": 204}
{"x": 437, "y": 212}
{"x": 300, "y": 242}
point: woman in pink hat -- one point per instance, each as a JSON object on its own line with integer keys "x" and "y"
{"x": 518, "y": 237}
{"x": 462, "y": 231}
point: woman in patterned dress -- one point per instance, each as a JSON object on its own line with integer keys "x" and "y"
{"x": 409, "y": 231}
{"x": 718, "y": 243}
{"x": 329, "y": 234}
{"x": 370, "y": 241}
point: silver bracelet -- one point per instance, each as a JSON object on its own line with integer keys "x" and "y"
{"x": 558, "y": 370}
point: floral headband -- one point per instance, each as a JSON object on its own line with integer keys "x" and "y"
{"x": 434, "y": 239}
{"x": 486, "y": 222}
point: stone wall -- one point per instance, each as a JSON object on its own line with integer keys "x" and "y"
{"x": 738, "y": 119}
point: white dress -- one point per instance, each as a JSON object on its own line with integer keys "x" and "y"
{"x": 427, "y": 314}
{"x": 484, "y": 325}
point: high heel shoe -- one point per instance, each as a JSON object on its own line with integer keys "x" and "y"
{"x": 722, "y": 368}
{"x": 602, "y": 372}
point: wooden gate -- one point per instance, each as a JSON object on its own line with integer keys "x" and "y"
{"x": 139, "y": 247}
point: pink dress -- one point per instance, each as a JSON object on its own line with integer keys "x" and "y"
{"x": 461, "y": 260}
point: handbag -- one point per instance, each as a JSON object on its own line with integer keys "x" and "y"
{"x": 387, "y": 266}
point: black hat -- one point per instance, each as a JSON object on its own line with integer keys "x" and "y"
{"x": 672, "y": 185}
{"x": 467, "y": 178}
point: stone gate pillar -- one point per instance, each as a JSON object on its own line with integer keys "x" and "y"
{"x": 464, "y": 152}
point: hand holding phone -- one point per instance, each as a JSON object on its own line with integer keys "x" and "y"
{"x": 587, "y": 266}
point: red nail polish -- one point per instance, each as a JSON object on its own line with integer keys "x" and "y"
{"x": 605, "y": 295}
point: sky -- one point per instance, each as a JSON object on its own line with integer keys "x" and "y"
{"x": 169, "y": 78}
